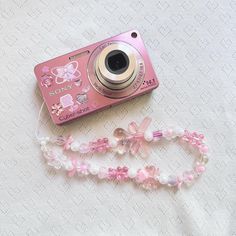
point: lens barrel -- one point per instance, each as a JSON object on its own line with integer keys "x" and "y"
{"x": 116, "y": 66}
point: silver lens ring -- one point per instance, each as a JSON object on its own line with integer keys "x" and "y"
{"x": 115, "y": 87}
{"x": 107, "y": 77}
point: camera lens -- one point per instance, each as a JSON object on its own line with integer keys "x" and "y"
{"x": 117, "y": 62}
{"x": 116, "y": 65}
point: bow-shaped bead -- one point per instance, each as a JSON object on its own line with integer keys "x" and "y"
{"x": 133, "y": 139}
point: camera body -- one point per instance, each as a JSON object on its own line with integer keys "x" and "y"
{"x": 96, "y": 77}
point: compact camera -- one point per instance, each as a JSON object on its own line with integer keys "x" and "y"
{"x": 96, "y": 77}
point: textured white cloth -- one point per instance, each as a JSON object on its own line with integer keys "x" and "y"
{"x": 193, "y": 49}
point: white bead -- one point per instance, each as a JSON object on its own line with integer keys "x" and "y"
{"x": 163, "y": 179}
{"x": 172, "y": 180}
{"x": 44, "y": 148}
{"x": 62, "y": 157}
{"x": 179, "y": 131}
{"x": 148, "y": 136}
{"x": 156, "y": 139}
{"x": 94, "y": 170}
{"x": 132, "y": 173}
{"x": 44, "y": 140}
{"x": 120, "y": 151}
{"x": 113, "y": 143}
{"x": 167, "y": 134}
{"x": 68, "y": 165}
{"x": 74, "y": 146}
{"x": 56, "y": 164}
{"x": 47, "y": 139}
{"x": 84, "y": 148}
{"x": 43, "y": 143}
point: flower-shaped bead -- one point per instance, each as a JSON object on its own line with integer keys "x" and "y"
{"x": 83, "y": 168}
{"x": 147, "y": 177}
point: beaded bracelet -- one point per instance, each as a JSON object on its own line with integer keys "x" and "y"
{"x": 135, "y": 140}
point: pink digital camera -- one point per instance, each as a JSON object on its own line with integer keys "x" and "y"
{"x": 96, "y": 77}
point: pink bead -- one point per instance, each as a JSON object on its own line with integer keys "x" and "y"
{"x": 168, "y": 134}
{"x": 100, "y": 145}
{"x": 144, "y": 124}
{"x": 201, "y": 136}
{"x": 133, "y": 127}
{"x": 141, "y": 176}
{"x": 152, "y": 171}
{"x": 83, "y": 168}
{"x": 120, "y": 173}
{"x": 190, "y": 177}
{"x": 198, "y": 142}
{"x": 157, "y": 134}
{"x": 120, "y": 134}
{"x": 150, "y": 183}
{"x": 185, "y": 138}
{"x": 200, "y": 169}
{"x": 170, "y": 131}
{"x": 111, "y": 173}
{"x": 193, "y": 142}
{"x": 199, "y": 146}
{"x": 203, "y": 149}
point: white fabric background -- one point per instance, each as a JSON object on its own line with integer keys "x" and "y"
{"x": 193, "y": 49}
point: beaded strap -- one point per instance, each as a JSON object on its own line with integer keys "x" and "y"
{"x": 135, "y": 140}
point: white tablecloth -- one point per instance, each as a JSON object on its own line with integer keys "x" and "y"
{"x": 193, "y": 50}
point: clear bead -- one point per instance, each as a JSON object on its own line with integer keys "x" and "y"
{"x": 163, "y": 179}
{"x": 84, "y": 148}
{"x": 205, "y": 159}
{"x": 120, "y": 133}
{"x": 102, "y": 174}
{"x": 132, "y": 173}
{"x": 113, "y": 143}
{"x": 94, "y": 170}
{"x": 172, "y": 180}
